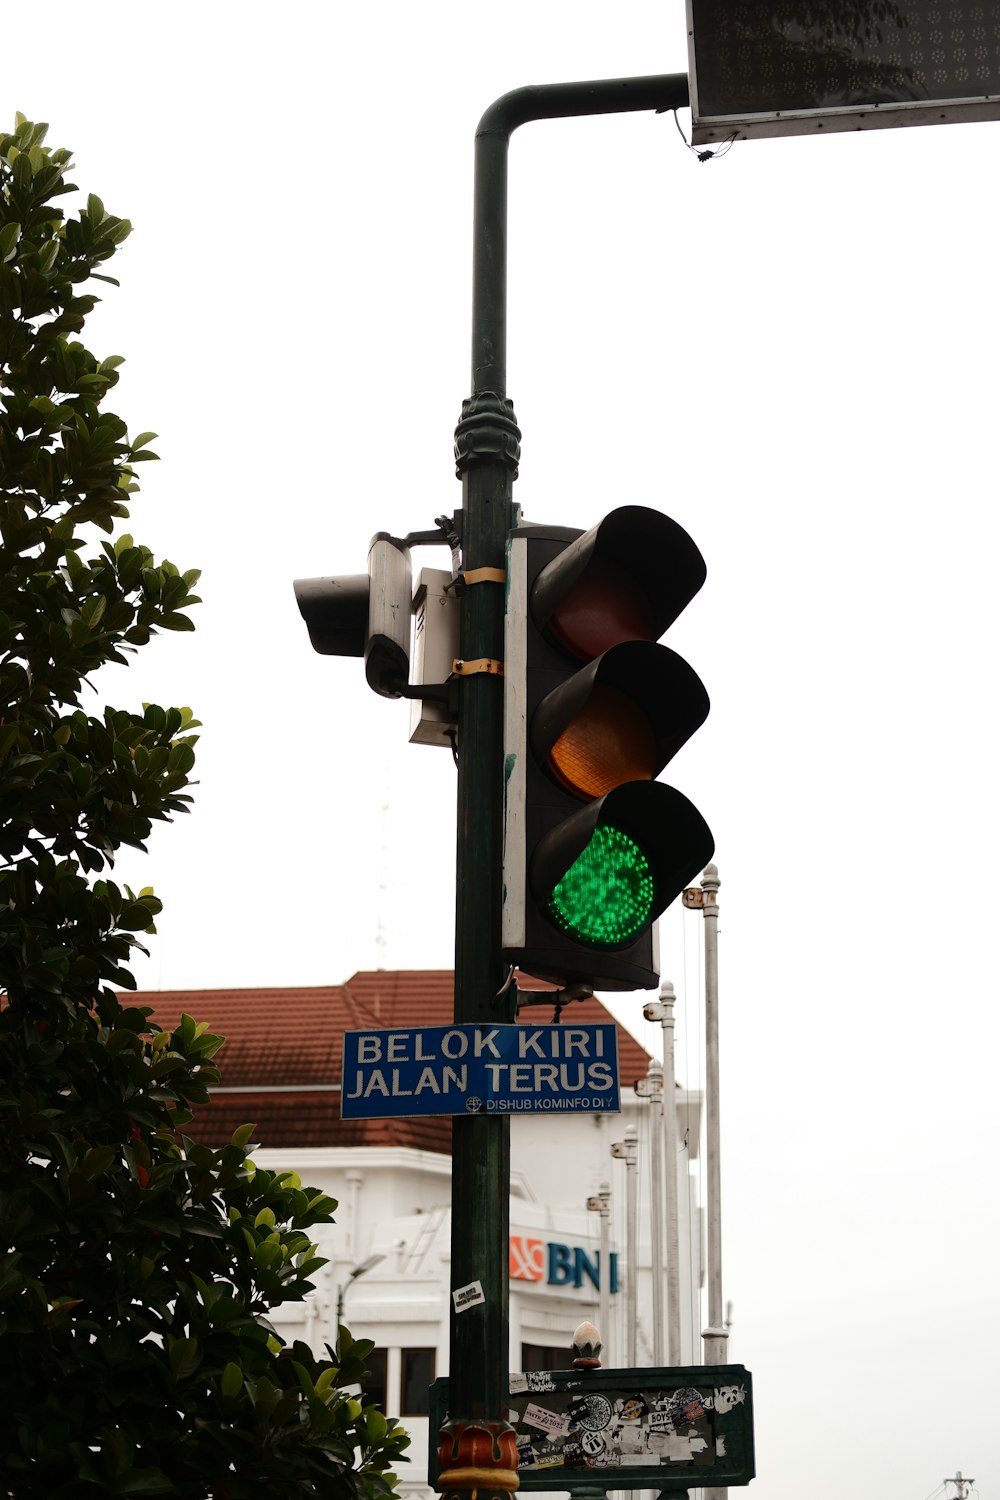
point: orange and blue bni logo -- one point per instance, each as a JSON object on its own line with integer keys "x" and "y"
{"x": 526, "y": 1258}
{"x": 558, "y": 1265}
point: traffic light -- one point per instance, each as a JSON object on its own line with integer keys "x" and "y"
{"x": 366, "y": 614}
{"x": 594, "y": 847}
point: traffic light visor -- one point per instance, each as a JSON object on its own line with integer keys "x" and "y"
{"x": 604, "y": 874}
{"x": 620, "y": 718}
{"x": 628, "y": 578}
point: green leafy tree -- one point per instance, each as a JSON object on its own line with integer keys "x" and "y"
{"x": 136, "y": 1268}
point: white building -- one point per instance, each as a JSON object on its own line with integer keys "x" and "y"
{"x": 281, "y": 1068}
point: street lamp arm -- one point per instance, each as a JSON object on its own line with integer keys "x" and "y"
{"x": 600, "y": 96}
{"x": 547, "y": 101}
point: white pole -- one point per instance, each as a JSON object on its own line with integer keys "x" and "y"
{"x": 670, "y": 1177}
{"x": 628, "y": 1151}
{"x": 599, "y": 1203}
{"x": 632, "y": 1214}
{"x": 654, "y": 1079}
{"x": 714, "y": 1337}
{"x": 662, "y": 1010}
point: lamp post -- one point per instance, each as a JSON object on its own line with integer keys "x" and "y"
{"x": 651, "y": 1088}
{"x": 600, "y": 1203}
{"x": 344, "y": 1288}
{"x": 704, "y": 898}
{"x": 477, "y": 1450}
{"x": 662, "y": 1010}
{"x": 628, "y": 1152}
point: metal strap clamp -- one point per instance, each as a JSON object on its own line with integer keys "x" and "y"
{"x": 461, "y": 668}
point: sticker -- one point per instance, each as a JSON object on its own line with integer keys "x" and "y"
{"x": 540, "y": 1380}
{"x": 675, "y": 1447}
{"x": 516, "y": 1384}
{"x": 728, "y": 1396}
{"x": 632, "y": 1408}
{"x": 525, "y": 1453}
{"x": 687, "y": 1405}
{"x": 660, "y": 1420}
{"x": 592, "y": 1443}
{"x": 627, "y": 1439}
{"x": 468, "y": 1296}
{"x": 545, "y": 1420}
{"x": 592, "y": 1412}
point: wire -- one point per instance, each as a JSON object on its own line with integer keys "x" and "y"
{"x": 506, "y": 984}
{"x": 717, "y": 151}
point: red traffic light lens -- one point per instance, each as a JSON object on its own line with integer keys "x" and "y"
{"x": 608, "y": 742}
{"x": 602, "y": 608}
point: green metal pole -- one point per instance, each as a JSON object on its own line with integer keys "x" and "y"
{"x": 477, "y": 1450}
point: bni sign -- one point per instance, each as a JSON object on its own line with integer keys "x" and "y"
{"x": 458, "y": 1070}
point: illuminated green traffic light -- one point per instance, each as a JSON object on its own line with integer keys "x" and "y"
{"x": 606, "y": 896}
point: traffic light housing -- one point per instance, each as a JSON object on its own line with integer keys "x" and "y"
{"x": 594, "y": 847}
{"x": 365, "y": 614}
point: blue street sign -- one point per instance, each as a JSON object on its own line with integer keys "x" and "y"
{"x": 458, "y": 1070}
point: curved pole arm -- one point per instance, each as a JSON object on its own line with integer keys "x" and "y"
{"x": 549, "y": 101}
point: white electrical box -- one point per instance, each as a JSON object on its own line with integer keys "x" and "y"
{"x": 435, "y": 647}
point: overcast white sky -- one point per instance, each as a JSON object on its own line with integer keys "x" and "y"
{"x": 793, "y": 352}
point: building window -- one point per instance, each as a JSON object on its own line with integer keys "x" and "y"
{"x": 542, "y": 1357}
{"x": 374, "y": 1384}
{"x": 415, "y": 1376}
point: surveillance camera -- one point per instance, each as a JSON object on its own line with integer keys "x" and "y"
{"x": 653, "y": 1010}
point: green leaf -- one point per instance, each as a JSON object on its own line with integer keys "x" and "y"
{"x": 95, "y": 1160}
{"x": 136, "y": 917}
{"x": 145, "y": 1482}
{"x": 10, "y": 234}
{"x": 48, "y": 255}
{"x": 375, "y": 1424}
{"x": 93, "y": 612}
{"x": 183, "y": 1353}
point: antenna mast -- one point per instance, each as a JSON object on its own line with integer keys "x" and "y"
{"x": 961, "y": 1486}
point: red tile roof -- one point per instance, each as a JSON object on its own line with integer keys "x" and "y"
{"x": 284, "y": 1050}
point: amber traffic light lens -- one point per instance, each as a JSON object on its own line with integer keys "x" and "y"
{"x": 610, "y": 741}
{"x": 603, "y": 607}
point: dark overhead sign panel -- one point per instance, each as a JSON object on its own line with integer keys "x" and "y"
{"x": 794, "y": 67}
